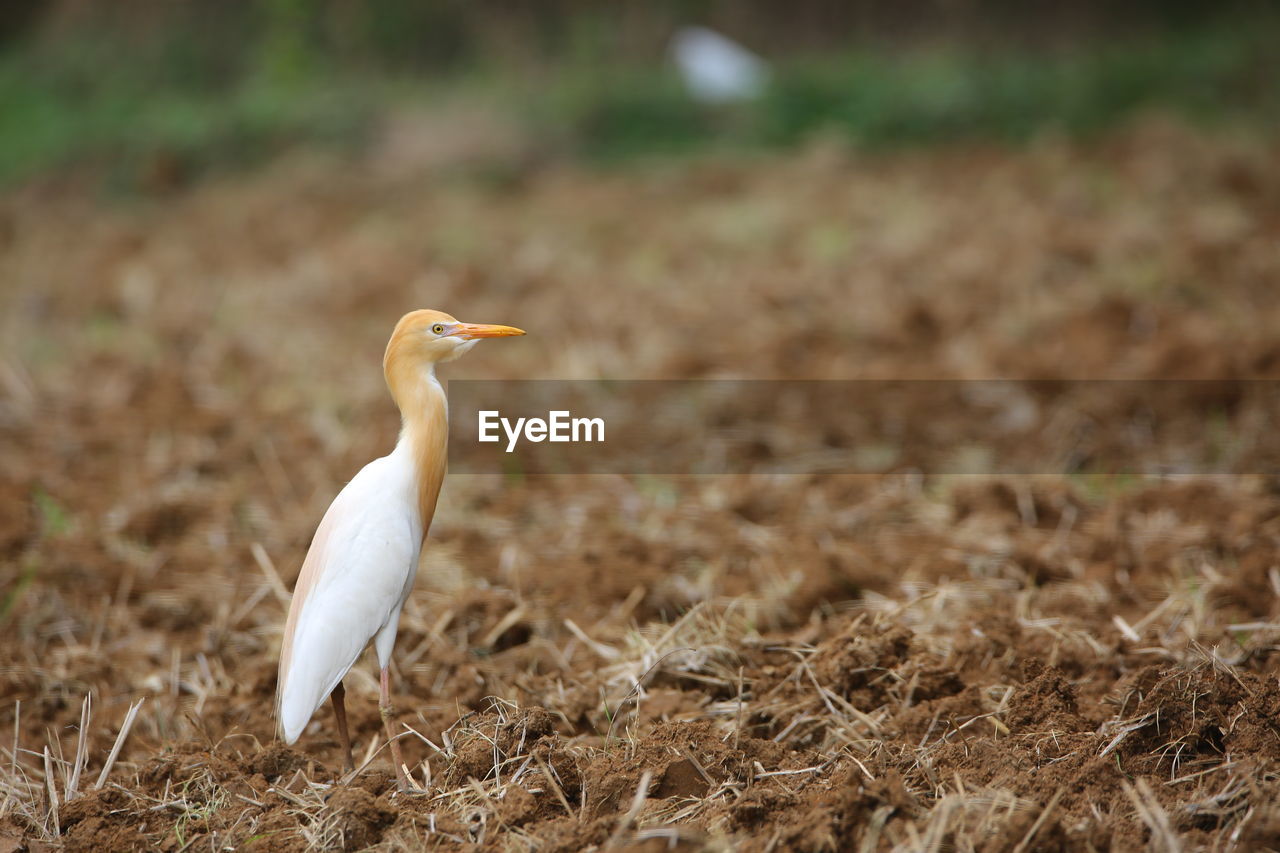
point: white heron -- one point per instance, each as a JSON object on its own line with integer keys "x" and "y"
{"x": 361, "y": 565}
{"x": 715, "y": 68}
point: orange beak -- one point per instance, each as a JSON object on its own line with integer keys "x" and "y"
{"x": 474, "y": 331}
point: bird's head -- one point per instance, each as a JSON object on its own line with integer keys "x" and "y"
{"x": 425, "y": 337}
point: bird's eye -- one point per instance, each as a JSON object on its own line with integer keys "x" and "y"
{"x": 438, "y": 329}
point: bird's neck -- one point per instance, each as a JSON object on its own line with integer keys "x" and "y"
{"x": 424, "y": 432}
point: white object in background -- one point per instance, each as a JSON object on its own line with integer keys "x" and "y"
{"x": 717, "y": 69}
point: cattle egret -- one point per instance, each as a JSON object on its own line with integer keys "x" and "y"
{"x": 361, "y": 565}
{"x": 716, "y": 69}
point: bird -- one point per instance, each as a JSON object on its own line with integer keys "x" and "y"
{"x": 361, "y": 565}
{"x": 716, "y": 69}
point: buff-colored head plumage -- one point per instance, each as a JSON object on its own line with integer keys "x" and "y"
{"x": 424, "y": 338}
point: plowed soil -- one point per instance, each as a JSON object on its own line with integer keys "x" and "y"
{"x": 801, "y": 662}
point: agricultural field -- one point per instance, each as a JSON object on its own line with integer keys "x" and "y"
{"x": 756, "y": 662}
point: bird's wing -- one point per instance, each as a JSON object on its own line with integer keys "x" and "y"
{"x": 355, "y": 576}
{"x": 312, "y": 567}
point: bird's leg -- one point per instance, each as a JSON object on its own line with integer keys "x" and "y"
{"x": 340, "y": 713}
{"x": 384, "y": 705}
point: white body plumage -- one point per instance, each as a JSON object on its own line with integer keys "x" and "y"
{"x": 370, "y": 539}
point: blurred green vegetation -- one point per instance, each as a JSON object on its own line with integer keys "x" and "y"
{"x": 234, "y": 90}
{"x": 85, "y": 101}
{"x": 936, "y": 94}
